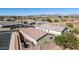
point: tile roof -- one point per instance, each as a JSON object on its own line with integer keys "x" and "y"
{"x": 41, "y": 21}
{"x": 8, "y": 24}
{"x": 53, "y": 27}
{"x": 33, "y": 33}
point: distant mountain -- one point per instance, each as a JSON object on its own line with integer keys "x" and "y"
{"x": 73, "y": 15}
{"x": 59, "y": 15}
{"x": 49, "y": 15}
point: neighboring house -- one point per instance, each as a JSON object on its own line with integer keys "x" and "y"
{"x": 5, "y": 19}
{"x": 55, "y": 29}
{"x": 8, "y": 19}
{"x": 13, "y": 25}
{"x": 38, "y": 22}
{"x": 11, "y": 19}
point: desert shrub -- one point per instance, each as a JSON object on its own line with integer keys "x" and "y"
{"x": 76, "y": 31}
{"x": 67, "y": 40}
{"x": 56, "y": 20}
{"x": 49, "y": 20}
{"x": 69, "y": 25}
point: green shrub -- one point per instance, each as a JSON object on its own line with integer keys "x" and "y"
{"x": 67, "y": 40}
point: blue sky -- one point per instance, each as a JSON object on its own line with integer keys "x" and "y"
{"x": 37, "y": 11}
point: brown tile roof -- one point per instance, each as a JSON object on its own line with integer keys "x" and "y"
{"x": 33, "y": 33}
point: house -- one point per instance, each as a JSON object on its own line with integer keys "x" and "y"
{"x": 32, "y": 34}
{"x": 8, "y": 24}
{"x": 38, "y": 22}
{"x": 24, "y": 38}
{"x": 13, "y": 25}
{"x": 55, "y": 29}
{"x": 11, "y": 19}
{"x": 32, "y": 38}
{"x": 4, "y": 19}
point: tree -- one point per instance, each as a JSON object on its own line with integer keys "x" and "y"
{"x": 2, "y": 17}
{"x": 67, "y": 40}
{"x": 66, "y": 16}
{"x": 35, "y": 19}
{"x": 63, "y": 19}
{"x": 43, "y": 20}
{"x": 49, "y": 20}
{"x": 60, "y": 17}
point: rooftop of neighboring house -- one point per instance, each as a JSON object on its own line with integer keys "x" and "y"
{"x": 7, "y": 23}
{"x": 41, "y": 21}
{"x": 53, "y": 27}
{"x": 33, "y": 33}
